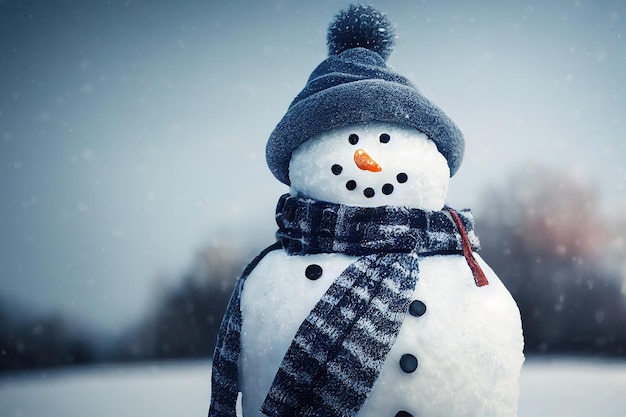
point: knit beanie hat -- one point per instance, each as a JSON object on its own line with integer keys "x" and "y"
{"x": 354, "y": 86}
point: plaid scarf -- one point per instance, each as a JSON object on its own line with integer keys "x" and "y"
{"x": 339, "y": 349}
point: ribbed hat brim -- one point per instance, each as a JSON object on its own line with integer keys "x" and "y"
{"x": 360, "y": 102}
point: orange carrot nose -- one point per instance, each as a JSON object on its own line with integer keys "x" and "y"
{"x": 365, "y": 162}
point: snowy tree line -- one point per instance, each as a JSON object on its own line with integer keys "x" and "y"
{"x": 183, "y": 323}
{"x": 42, "y": 340}
{"x": 562, "y": 256}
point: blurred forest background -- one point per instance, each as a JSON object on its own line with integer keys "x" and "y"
{"x": 545, "y": 233}
{"x": 134, "y": 187}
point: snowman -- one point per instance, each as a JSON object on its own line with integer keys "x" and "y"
{"x": 372, "y": 302}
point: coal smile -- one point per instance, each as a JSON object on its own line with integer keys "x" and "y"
{"x": 369, "y": 192}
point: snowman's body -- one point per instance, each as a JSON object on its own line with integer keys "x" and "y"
{"x": 467, "y": 343}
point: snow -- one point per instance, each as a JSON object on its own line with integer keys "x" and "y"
{"x": 406, "y": 151}
{"x": 573, "y": 388}
{"x": 486, "y": 343}
{"x": 137, "y": 390}
{"x": 549, "y": 387}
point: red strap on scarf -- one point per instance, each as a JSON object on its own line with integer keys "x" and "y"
{"x": 479, "y": 276}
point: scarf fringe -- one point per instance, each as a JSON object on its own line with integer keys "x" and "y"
{"x": 479, "y": 276}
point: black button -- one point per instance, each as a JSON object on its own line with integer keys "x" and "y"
{"x": 313, "y": 272}
{"x": 417, "y": 308}
{"x": 403, "y": 414}
{"x": 408, "y": 363}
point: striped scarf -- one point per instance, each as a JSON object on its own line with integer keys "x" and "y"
{"x": 339, "y": 349}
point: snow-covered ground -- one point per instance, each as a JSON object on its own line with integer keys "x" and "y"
{"x": 549, "y": 387}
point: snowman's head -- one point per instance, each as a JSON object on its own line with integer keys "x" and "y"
{"x": 374, "y": 164}
{"x": 353, "y": 92}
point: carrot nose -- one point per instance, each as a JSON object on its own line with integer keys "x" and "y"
{"x": 365, "y": 162}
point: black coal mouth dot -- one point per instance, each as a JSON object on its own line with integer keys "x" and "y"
{"x": 369, "y": 192}
{"x": 336, "y": 169}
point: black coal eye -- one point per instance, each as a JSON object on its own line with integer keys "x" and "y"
{"x": 384, "y": 138}
{"x": 353, "y": 139}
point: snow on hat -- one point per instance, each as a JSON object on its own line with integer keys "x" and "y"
{"x": 353, "y": 85}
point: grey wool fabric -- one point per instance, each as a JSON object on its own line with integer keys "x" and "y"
{"x": 355, "y": 86}
{"x": 339, "y": 350}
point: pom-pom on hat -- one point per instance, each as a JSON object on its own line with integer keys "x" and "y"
{"x": 354, "y": 86}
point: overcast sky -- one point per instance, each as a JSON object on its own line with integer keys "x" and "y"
{"x": 133, "y": 133}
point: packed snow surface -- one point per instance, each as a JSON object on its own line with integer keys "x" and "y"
{"x": 549, "y": 387}
{"x": 398, "y": 166}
